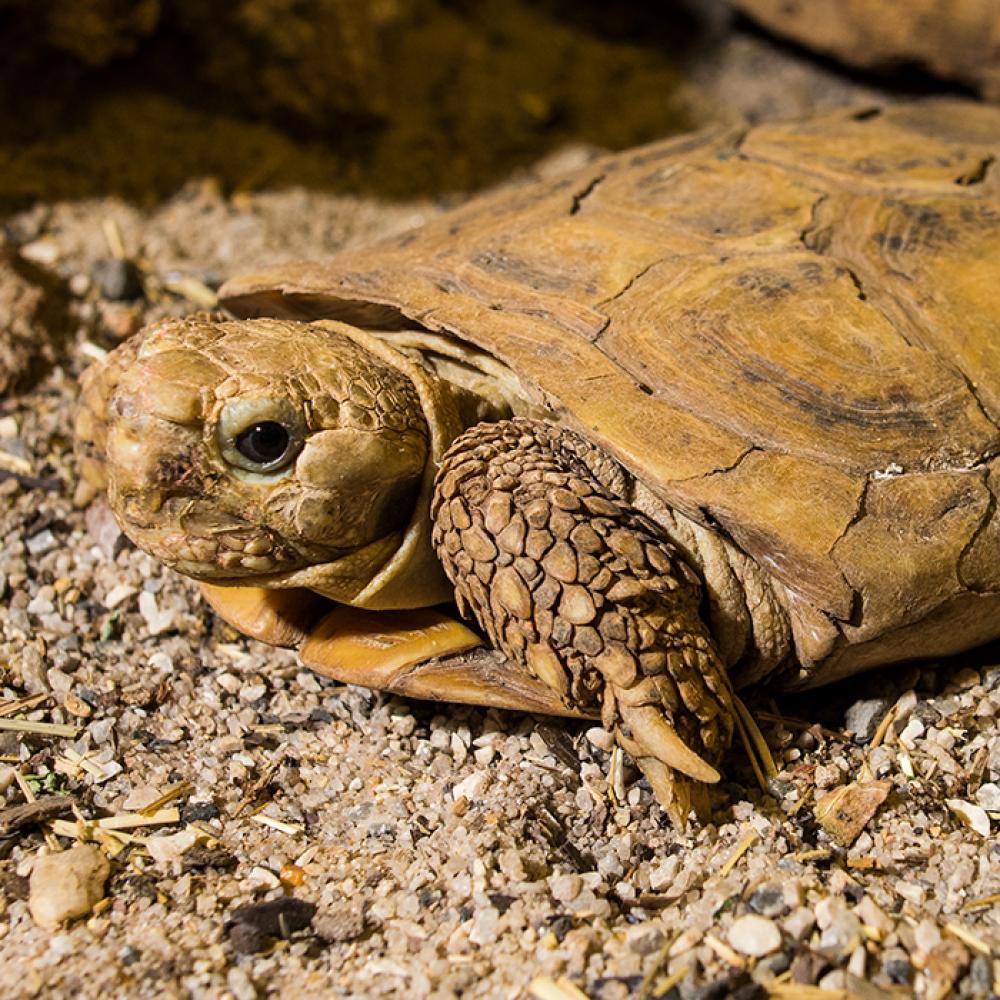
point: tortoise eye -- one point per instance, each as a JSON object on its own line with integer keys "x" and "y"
{"x": 260, "y": 436}
{"x": 265, "y": 443}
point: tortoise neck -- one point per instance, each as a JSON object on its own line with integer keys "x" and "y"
{"x": 483, "y": 388}
{"x": 744, "y": 606}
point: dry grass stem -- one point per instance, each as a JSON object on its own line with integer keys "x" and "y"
{"x": 39, "y": 728}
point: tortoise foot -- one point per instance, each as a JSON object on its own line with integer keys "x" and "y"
{"x": 588, "y": 594}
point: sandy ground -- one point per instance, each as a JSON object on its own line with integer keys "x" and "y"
{"x": 406, "y": 849}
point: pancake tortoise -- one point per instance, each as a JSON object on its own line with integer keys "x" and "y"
{"x": 717, "y": 411}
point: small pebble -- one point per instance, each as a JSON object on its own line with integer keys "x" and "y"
{"x": 863, "y": 717}
{"x": 754, "y": 935}
{"x": 645, "y": 939}
{"x": 768, "y": 901}
{"x": 165, "y": 849}
{"x": 117, "y": 280}
{"x": 842, "y": 936}
{"x": 157, "y": 621}
{"x": 340, "y": 922}
{"x": 41, "y": 543}
{"x": 601, "y": 739}
{"x": 971, "y": 815}
{"x": 484, "y": 926}
{"x": 911, "y": 732}
{"x": 988, "y": 796}
{"x": 240, "y": 984}
{"x": 471, "y": 788}
{"x": 565, "y": 888}
{"x": 897, "y": 967}
{"x": 43, "y": 251}
{"x": 799, "y": 923}
{"x": 67, "y": 884}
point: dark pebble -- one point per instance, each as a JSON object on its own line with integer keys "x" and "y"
{"x": 561, "y": 926}
{"x": 117, "y": 280}
{"x": 199, "y": 857}
{"x": 778, "y": 963}
{"x": 808, "y": 967}
{"x": 276, "y": 917}
{"x": 899, "y": 971}
{"x": 728, "y": 988}
{"x": 980, "y": 977}
{"x": 768, "y": 902}
{"x": 501, "y": 901}
{"x": 246, "y": 939}
{"x": 199, "y": 812}
{"x": 14, "y": 886}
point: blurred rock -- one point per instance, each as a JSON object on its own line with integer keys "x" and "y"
{"x": 67, "y": 885}
{"x": 956, "y": 41}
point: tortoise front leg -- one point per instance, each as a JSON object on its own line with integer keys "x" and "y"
{"x": 587, "y": 593}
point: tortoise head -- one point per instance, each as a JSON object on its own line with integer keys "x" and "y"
{"x": 264, "y": 452}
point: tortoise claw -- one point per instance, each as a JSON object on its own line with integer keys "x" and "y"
{"x": 660, "y": 740}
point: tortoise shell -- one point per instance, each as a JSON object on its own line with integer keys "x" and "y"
{"x": 791, "y": 334}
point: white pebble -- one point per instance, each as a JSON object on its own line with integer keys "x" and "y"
{"x": 41, "y": 543}
{"x": 41, "y": 251}
{"x": 971, "y": 815}
{"x": 988, "y": 796}
{"x": 168, "y": 848}
{"x": 470, "y": 788}
{"x": 116, "y": 595}
{"x": 251, "y": 692}
{"x": 601, "y": 738}
{"x": 911, "y": 732}
{"x": 40, "y": 606}
{"x": 663, "y": 874}
{"x": 754, "y": 935}
{"x": 66, "y": 885}
{"x": 565, "y": 888}
{"x": 484, "y": 926}
{"x": 240, "y": 984}
{"x": 161, "y": 662}
{"x": 157, "y": 621}
{"x": 644, "y": 939}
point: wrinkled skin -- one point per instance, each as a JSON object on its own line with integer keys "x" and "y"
{"x": 170, "y": 410}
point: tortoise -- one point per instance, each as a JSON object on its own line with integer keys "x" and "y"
{"x": 954, "y": 39}
{"x": 717, "y": 411}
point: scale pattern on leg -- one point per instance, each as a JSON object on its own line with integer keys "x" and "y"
{"x": 566, "y": 578}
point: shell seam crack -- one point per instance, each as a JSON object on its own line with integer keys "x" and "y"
{"x": 856, "y": 615}
{"x": 723, "y": 470}
{"x": 621, "y": 291}
{"x": 978, "y": 175}
{"x": 984, "y": 523}
{"x": 585, "y": 192}
{"x": 811, "y": 226}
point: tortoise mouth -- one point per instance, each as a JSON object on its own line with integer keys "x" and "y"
{"x": 208, "y": 544}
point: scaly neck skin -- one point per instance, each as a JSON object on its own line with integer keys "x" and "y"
{"x": 746, "y": 610}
